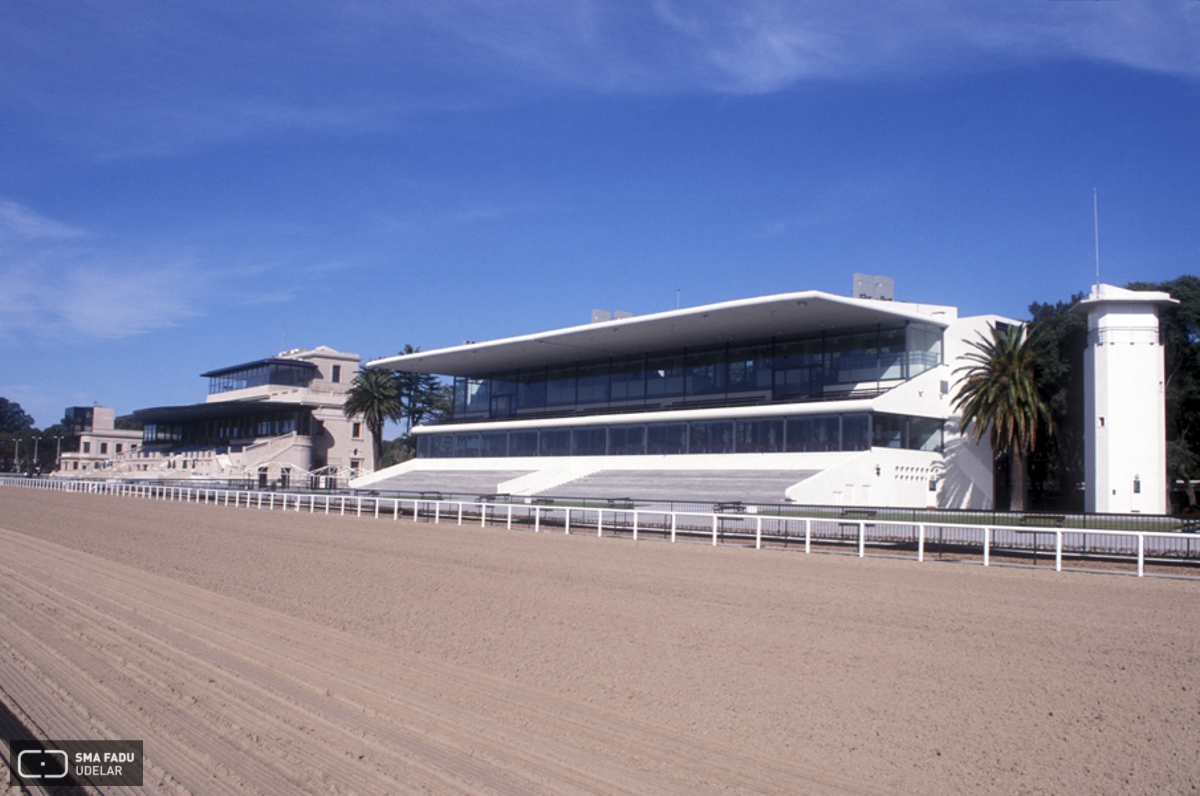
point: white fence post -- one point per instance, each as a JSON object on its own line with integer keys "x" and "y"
{"x": 987, "y": 548}
{"x": 758, "y": 533}
{"x": 920, "y": 543}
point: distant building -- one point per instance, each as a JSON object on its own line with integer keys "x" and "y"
{"x": 277, "y": 421}
{"x": 806, "y": 397}
{"x": 95, "y": 442}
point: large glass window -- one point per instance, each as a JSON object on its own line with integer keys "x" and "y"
{"x": 852, "y": 357}
{"x": 626, "y": 440}
{"x": 589, "y": 440}
{"x": 814, "y": 433}
{"x": 555, "y": 442}
{"x": 664, "y": 376}
{"x": 856, "y": 432}
{"x": 924, "y": 345}
{"x": 494, "y": 443}
{"x": 522, "y": 443}
{"x": 531, "y": 390}
{"x": 705, "y": 372}
{"x": 560, "y": 386}
{"x": 924, "y": 434}
{"x": 888, "y": 432}
{"x": 891, "y": 354}
{"x": 759, "y": 436}
{"x": 628, "y": 380}
{"x": 749, "y": 368}
{"x": 282, "y": 373}
{"x": 712, "y": 437}
{"x": 799, "y": 368}
{"x": 593, "y": 383}
{"x": 466, "y": 446}
{"x": 666, "y": 438}
{"x": 784, "y": 369}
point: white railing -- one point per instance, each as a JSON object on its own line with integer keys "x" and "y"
{"x": 854, "y": 533}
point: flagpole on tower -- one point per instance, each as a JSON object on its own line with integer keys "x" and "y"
{"x": 1096, "y": 217}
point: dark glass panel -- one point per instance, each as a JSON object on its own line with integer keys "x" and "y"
{"x": 555, "y": 442}
{"x": 522, "y": 443}
{"x": 711, "y": 437}
{"x": 494, "y": 443}
{"x": 626, "y": 440}
{"x": 664, "y": 376}
{"x": 705, "y": 372}
{"x": 856, "y": 432}
{"x": 589, "y": 441}
{"x": 815, "y": 433}
{"x": 666, "y": 438}
{"x": 760, "y": 436}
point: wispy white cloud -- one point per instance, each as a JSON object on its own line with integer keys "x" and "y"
{"x": 60, "y": 283}
{"x": 19, "y": 224}
{"x": 148, "y": 77}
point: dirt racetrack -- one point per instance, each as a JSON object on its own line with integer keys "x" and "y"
{"x": 264, "y": 652}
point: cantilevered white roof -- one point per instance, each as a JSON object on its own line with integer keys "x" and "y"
{"x": 711, "y": 324}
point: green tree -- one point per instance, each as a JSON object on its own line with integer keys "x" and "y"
{"x": 13, "y": 418}
{"x": 423, "y": 394}
{"x": 998, "y": 396}
{"x": 374, "y": 396}
{"x": 1056, "y": 465}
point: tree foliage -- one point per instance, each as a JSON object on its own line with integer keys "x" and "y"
{"x": 373, "y": 395}
{"x": 13, "y": 419}
{"x": 998, "y": 395}
{"x": 1056, "y": 465}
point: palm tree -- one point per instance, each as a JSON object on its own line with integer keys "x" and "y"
{"x": 998, "y": 395}
{"x": 374, "y": 396}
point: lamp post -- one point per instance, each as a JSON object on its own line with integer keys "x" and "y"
{"x": 17, "y": 454}
{"x": 36, "y": 440}
{"x": 58, "y": 452}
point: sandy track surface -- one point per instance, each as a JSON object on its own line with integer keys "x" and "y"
{"x": 258, "y": 651}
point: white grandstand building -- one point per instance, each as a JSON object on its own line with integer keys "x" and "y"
{"x": 801, "y": 397}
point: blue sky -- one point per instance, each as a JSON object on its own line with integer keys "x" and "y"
{"x": 187, "y": 186}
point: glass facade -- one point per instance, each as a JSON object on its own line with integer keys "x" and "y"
{"x": 797, "y": 368}
{"x": 222, "y": 431}
{"x": 854, "y": 431}
{"x": 285, "y": 374}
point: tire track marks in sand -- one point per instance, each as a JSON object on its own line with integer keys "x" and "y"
{"x": 234, "y": 698}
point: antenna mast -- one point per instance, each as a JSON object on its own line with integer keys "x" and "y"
{"x": 1096, "y": 217}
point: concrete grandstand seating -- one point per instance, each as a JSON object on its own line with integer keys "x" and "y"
{"x": 448, "y": 482}
{"x": 747, "y": 486}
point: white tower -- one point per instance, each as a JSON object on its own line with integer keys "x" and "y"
{"x": 1124, "y": 436}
